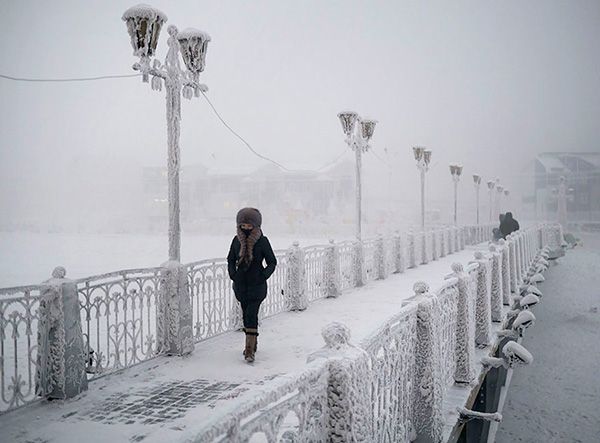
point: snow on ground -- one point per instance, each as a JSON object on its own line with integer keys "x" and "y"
{"x": 28, "y": 258}
{"x": 284, "y": 343}
{"x": 557, "y": 397}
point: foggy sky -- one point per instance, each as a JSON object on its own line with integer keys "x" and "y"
{"x": 486, "y": 84}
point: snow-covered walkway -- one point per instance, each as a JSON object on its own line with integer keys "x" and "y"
{"x": 557, "y": 397}
{"x": 167, "y": 399}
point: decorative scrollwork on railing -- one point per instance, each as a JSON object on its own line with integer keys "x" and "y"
{"x": 119, "y": 318}
{"x": 391, "y": 351}
{"x": 314, "y": 263}
{"x": 346, "y": 257}
{"x": 293, "y": 409}
{"x": 19, "y": 315}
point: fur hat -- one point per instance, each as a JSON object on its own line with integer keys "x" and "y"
{"x": 251, "y": 216}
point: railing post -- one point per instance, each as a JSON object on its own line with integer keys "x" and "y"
{"x": 399, "y": 262}
{"x": 443, "y": 243}
{"x": 380, "y": 258}
{"x": 483, "y": 314}
{"x": 297, "y": 296}
{"x": 175, "y": 333}
{"x": 427, "y": 389}
{"x": 348, "y": 386}
{"x": 434, "y": 246}
{"x": 496, "y": 295}
{"x": 332, "y": 275}
{"x": 412, "y": 262}
{"x": 514, "y": 287}
{"x": 452, "y": 241}
{"x": 506, "y": 272}
{"x": 359, "y": 263}
{"x": 61, "y": 353}
{"x": 424, "y": 258}
{"x": 465, "y": 331}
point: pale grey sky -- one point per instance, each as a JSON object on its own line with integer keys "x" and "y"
{"x": 484, "y": 83}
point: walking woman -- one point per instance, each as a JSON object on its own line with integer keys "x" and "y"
{"x": 249, "y": 249}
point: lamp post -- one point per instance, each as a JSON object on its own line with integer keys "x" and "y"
{"x": 144, "y": 24}
{"x": 423, "y": 158}
{"x": 500, "y": 190}
{"x": 358, "y": 133}
{"x": 562, "y": 202}
{"x": 455, "y": 171}
{"x": 491, "y": 185}
{"x": 477, "y": 182}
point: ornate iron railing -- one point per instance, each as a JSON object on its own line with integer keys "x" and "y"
{"x": 314, "y": 269}
{"x": 119, "y": 318}
{"x": 391, "y": 350}
{"x": 119, "y": 310}
{"x": 346, "y": 258}
{"x": 18, "y": 345}
{"x": 293, "y": 409}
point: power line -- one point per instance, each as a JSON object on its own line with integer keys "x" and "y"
{"x": 105, "y": 77}
{"x": 62, "y": 80}
{"x": 251, "y": 149}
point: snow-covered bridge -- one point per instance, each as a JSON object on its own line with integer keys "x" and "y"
{"x": 397, "y": 359}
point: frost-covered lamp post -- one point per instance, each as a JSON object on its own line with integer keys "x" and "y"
{"x": 500, "y": 190}
{"x": 455, "y": 171}
{"x": 144, "y": 24}
{"x": 358, "y": 133}
{"x": 477, "y": 182}
{"x": 491, "y": 185}
{"x": 423, "y": 158}
{"x": 562, "y": 202}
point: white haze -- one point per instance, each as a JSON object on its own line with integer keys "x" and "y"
{"x": 487, "y": 84}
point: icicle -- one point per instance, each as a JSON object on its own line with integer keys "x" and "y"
{"x": 188, "y": 92}
{"x": 156, "y": 84}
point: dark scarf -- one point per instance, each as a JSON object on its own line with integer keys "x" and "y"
{"x": 247, "y": 246}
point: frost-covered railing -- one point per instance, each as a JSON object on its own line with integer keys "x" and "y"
{"x": 392, "y": 386}
{"x": 18, "y": 345}
{"x": 121, "y": 314}
{"x": 293, "y": 409}
{"x": 119, "y": 318}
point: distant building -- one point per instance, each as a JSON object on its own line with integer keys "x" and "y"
{"x": 582, "y": 172}
{"x": 290, "y": 197}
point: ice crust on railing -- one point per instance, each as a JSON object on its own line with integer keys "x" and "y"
{"x": 506, "y": 283}
{"x": 465, "y": 326}
{"x": 428, "y": 389}
{"x": 496, "y": 287}
{"x": 483, "y": 318}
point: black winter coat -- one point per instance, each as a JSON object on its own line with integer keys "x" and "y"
{"x": 251, "y": 283}
{"x": 508, "y": 225}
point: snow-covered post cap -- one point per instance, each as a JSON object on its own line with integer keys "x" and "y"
{"x": 516, "y": 354}
{"x": 457, "y": 268}
{"x": 59, "y": 272}
{"x": 336, "y": 335}
{"x": 421, "y": 288}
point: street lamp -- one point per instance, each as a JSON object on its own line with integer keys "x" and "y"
{"x": 455, "y": 171}
{"x": 477, "y": 182}
{"x": 144, "y": 24}
{"x": 423, "y": 158}
{"x": 491, "y": 185}
{"x": 357, "y": 138}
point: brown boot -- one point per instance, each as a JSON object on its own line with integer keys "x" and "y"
{"x": 251, "y": 335}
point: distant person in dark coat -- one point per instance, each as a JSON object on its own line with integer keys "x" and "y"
{"x": 248, "y": 250}
{"x": 508, "y": 225}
